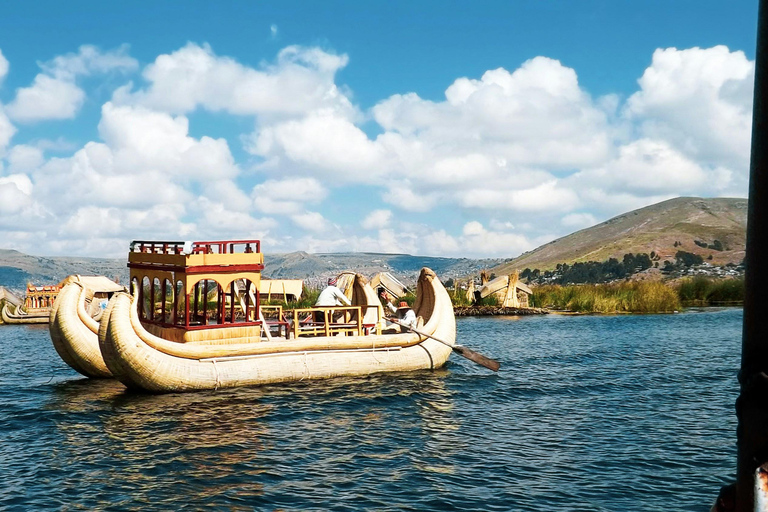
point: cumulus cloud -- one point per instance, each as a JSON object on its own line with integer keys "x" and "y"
{"x": 15, "y": 193}
{"x": 142, "y": 139}
{"x": 476, "y": 240}
{"x": 3, "y": 66}
{"x": 288, "y": 196}
{"x": 578, "y": 220}
{"x": 23, "y": 158}
{"x": 377, "y": 219}
{"x": 699, "y": 101}
{"x": 54, "y": 93}
{"x": 301, "y": 80}
{"x": 506, "y": 161}
{"x": 311, "y": 221}
{"x": 7, "y": 130}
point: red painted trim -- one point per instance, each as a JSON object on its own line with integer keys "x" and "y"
{"x": 202, "y": 269}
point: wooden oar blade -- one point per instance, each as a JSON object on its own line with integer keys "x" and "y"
{"x": 480, "y": 359}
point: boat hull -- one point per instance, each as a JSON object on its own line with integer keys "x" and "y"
{"x": 17, "y": 317}
{"x": 143, "y": 361}
{"x": 75, "y": 334}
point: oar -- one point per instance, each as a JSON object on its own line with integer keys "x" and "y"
{"x": 480, "y": 359}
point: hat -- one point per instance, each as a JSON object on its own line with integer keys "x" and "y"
{"x": 403, "y": 304}
{"x": 331, "y": 280}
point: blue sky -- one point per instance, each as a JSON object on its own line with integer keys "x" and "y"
{"x": 437, "y": 128}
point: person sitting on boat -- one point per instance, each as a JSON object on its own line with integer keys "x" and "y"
{"x": 406, "y": 315}
{"x": 330, "y": 296}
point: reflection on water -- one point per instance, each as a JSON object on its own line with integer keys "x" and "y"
{"x": 580, "y": 403}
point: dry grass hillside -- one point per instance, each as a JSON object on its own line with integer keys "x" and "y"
{"x": 656, "y": 228}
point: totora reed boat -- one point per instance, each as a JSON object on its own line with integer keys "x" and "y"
{"x": 75, "y": 329}
{"x": 194, "y": 321}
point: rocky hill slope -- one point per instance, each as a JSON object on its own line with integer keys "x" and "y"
{"x": 715, "y": 227}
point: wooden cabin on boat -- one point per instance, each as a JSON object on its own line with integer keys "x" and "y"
{"x": 210, "y": 292}
{"x": 40, "y": 298}
{"x": 189, "y": 291}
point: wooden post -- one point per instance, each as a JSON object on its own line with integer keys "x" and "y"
{"x": 751, "y": 406}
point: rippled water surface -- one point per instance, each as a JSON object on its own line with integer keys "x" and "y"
{"x": 617, "y": 413}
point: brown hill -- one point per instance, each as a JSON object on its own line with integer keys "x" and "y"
{"x": 664, "y": 228}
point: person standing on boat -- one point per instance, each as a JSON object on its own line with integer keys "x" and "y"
{"x": 330, "y": 296}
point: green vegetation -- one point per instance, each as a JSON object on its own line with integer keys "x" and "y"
{"x": 591, "y": 271}
{"x": 640, "y": 297}
{"x": 704, "y": 291}
{"x": 624, "y": 297}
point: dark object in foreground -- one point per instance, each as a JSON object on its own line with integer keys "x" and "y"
{"x": 463, "y": 351}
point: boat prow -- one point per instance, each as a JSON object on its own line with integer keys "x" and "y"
{"x": 145, "y": 361}
{"x": 74, "y": 333}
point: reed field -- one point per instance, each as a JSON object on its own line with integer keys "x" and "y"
{"x": 624, "y": 297}
{"x": 640, "y": 297}
{"x": 704, "y": 291}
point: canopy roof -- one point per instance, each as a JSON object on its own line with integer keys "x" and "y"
{"x": 390, "y": 283}
{"x": 95, "y": 283}
{"x": 501, "y": 283}
{"x": 282, "y": 286}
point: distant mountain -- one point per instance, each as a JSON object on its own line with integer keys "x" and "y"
{"x": 715, "y": 227}
{"x": 17, "y": 269}
{"x": 315, "y": 268}
{"x": 707, "y": 227}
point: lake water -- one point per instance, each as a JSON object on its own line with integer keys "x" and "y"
{"x": 588, "y": 413}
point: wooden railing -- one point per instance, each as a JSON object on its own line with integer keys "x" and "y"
{"x": 218, "y": 247}
{"x": 346, "y": 320}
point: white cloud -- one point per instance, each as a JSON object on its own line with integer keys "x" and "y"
{"x": 377, "y": 219}
{"x": 652, "y": 167}
{"x": 301, "y": 80}
{"x": 546, "y": 197}
{"x": 46, "y": 98}
{"x": 311, "y": 221}
{"x": 401, "y": 195}
{"x": 273, "y": 30}
{"x": 23, "y": 158}
{"x": 54, "y": 93}
{"x": 526, "y": 153}
{"x": 699, "y": 101}
{"x": 7, "y": 130}
{"x": 330, "y": 145}
{"x": 476, "y": 240}
{"x": 15, "y": 193}
{"x": 288, "y": 196}
{"x": 142, "y": 139}
{"x": 3, "y": 66}
{"x": 578, "y": 220}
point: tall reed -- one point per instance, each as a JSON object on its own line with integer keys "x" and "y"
{"x": 706, "y": 291}
{"x": 624, "y": 297}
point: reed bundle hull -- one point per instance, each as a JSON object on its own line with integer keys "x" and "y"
{"x": 74, "y": 333}
{"x": 144, "y": 361}
{"x": 20, "y": 317}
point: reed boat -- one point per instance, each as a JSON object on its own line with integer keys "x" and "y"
{"x": 17, "y": 315}
{"x": 74, "y": 323}
{"x": 193, "y": 321}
